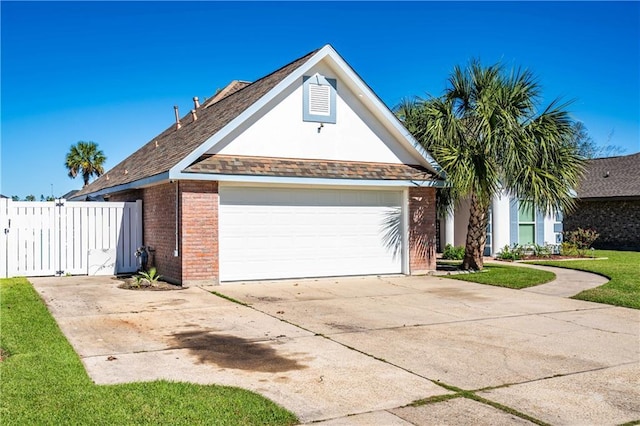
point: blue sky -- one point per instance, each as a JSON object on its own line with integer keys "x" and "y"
{"x": 111, "y": 72}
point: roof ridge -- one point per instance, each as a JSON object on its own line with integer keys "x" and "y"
{"x": 615, "y": 157}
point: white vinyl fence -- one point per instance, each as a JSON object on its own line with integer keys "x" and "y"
{"x": 68, "y": 237}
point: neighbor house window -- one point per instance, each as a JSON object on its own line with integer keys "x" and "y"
{"x": 319, "y": 99}
{"x": 526, "y": 223}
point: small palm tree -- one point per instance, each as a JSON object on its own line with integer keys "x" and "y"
{"x": 486, "y": 133}
{"x": 84, "y": 158}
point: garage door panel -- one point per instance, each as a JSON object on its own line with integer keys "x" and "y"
{"x": 287, "y": 233}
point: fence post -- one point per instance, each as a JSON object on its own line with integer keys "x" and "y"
{"x": 4, "y": 237}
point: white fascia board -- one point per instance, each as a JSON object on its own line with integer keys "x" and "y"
{"x": 151, "y": 180}
{"x": 306, "y": 181}
{"x": 326, "y": 51}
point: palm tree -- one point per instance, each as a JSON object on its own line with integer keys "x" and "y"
{"x": 86, "y": 159}
{"x": 488, "y": 137}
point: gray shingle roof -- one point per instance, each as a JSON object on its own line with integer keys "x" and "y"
{"x": 290, "y": 167}
{"x": 167, "y": 149}
{"x": 611, "y": 177}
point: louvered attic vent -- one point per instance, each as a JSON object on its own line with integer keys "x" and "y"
{"x": 319, "y": 99}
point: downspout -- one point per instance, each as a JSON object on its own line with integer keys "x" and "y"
{"x": 176, "y": 253}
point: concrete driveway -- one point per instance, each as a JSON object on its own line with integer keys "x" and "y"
{"x": 359, "y": 350}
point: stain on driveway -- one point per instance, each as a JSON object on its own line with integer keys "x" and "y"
{"x": 229, "y": 351}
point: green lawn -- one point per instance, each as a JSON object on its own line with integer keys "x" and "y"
{"x": 505, "y": 276}
{"x": 623, "y": 270}
{"x": 44, "y": 382}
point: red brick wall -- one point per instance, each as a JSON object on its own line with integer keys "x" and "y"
{"x": 159, "y": 222}
{"x": 199, "y": 218}
{"x": 422, "y": 230}
{"x": 197, "y": 259}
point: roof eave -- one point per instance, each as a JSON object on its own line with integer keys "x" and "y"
{"x": 137, "y": 184}
{"x": 256, "y": 179}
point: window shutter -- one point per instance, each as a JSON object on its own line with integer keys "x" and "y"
{"x": 513, "y": 221}
{"x": 540, "y": 228}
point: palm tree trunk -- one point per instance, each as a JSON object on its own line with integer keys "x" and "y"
{"x": 476, "y": 235}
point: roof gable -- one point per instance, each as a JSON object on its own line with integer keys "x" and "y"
{"x": 282, "y": 130}
{"x": 347, "y": 75}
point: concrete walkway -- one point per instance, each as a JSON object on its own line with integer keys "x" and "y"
{"x": 568, "y": 282}
{"x": 361, "y": 350}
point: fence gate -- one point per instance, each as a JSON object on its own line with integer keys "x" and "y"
{"x": 68, "y": 237}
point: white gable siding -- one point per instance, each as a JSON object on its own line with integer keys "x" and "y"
{"x": 279, "y": 131}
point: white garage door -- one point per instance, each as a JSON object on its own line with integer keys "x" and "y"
{"x": 293, "y": 233}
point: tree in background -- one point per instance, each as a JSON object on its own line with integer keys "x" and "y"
{"x": 588, "y": 147}
{"x": 84, "y": 158}
{"x": 30, "y": 197}
{"x": 486, "y": 133}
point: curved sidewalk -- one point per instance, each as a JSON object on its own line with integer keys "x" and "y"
{"x": 568, "y": 282}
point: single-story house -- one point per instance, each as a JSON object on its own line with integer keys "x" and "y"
{"x": 511, "y": 221}
{"x": 609, "y": 202}
{"x": 302, "y": 173}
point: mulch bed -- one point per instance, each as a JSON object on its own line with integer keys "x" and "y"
{"x": 129, "y": 283}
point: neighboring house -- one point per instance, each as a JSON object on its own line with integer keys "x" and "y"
{"x": 511, "y": 221}
{"x": 70, "y": 194}
{"x": 303, "y": 173}
{"x": 609, "y": 202}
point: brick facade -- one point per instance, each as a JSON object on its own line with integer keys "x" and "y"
{"x": 422, "y": 230}
{"x": 197, "y": 260}
{"x": 617, "y": 222}
{"x": 159, "y": 226}
{"x": 199, "y": 202}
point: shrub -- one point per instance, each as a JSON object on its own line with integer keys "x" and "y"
{"x": 541, "y": 251}
{"x": 151, "y": 277}
{"x": 576, "y": 243}
{"x": 453, "y": 253}
{"x": 511, "y": 253}
{"x": 582, "y": 239}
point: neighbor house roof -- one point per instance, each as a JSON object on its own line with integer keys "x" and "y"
{"x": 260, "y": 166}
{"x": 230, "y": 89}
{"x": 167, "y": 149}
{"x": 611, "y": 177}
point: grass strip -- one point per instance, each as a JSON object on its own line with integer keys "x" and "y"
{"x": 473, "y": 396}
{"x": 621, "y": 267}
{"x": 44, "y": 382}
{"x": 434, "y": 399}
{"x": 506, "y": 276}
{"x": 229, "y": 298}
